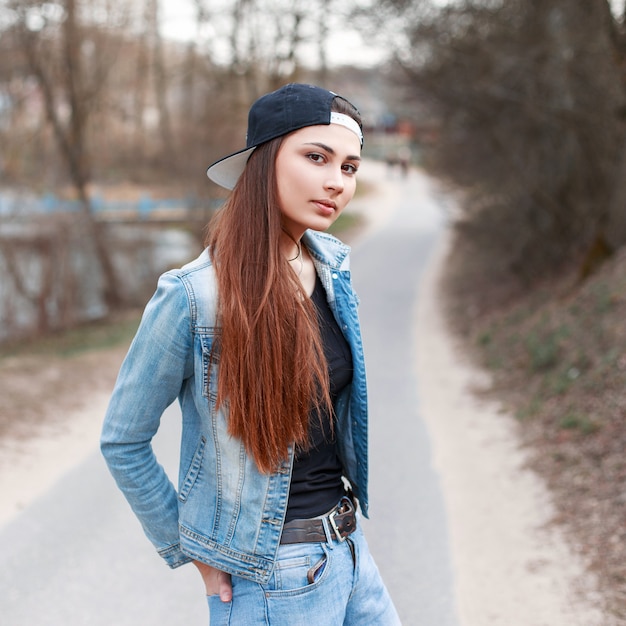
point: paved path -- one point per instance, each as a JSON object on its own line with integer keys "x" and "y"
{"x": 407, "y": 531}
{"x": 77, "y": 557}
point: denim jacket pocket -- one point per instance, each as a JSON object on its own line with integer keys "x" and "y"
{"x": 193, "y": 471}
{"x": 210, "y": 361}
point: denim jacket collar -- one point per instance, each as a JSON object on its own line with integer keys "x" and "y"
{"x": 327, "y": 249}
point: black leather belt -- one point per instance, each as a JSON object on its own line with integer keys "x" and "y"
{"x": 341, "y": 522}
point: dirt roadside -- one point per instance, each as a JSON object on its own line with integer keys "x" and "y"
{"x": 513, "y": 566}
{"x": 59, "y": 405}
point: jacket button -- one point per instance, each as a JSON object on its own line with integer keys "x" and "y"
{"x": 335, "y": 276}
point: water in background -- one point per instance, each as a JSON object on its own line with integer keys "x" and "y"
{"x": 50, "y": 277}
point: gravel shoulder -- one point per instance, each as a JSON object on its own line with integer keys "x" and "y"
{"x": 512, "y": 564}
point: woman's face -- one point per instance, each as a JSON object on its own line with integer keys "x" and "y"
{"x": 316, "y": 176}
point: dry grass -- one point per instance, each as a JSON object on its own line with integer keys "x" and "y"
{"x": 44, "y": 379}
{"x": 558, "y": 358}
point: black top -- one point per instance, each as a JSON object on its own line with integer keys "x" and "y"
{"x": 316, "y": 484}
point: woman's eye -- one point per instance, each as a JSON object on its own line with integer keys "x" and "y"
{"x": 316, "y": 158}
{"x": 350, "y": 169}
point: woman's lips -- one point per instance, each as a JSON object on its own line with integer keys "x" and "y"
{"x": 325, "y": 207}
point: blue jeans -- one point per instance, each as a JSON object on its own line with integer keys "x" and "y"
{"x": 312, "y": 583}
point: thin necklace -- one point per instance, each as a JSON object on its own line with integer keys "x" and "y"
{"x": 298, "y": 257}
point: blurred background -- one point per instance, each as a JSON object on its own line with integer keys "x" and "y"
{"x": 111, "y": 110}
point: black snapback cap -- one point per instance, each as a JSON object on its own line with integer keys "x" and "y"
{"x": 278, "y": 113}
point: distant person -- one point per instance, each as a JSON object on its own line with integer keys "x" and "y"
{"x": 404, "y": 159}
{"x": 259, "y": 340}
{"x": 391, "y": 160}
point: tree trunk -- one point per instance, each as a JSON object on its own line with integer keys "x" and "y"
{"x": 72, "y": 143}
{"x": 616, "y": 227}
{"x": 161, "y": 86}
{"x": 323, "y": 41}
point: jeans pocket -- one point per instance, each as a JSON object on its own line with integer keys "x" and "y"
{"x": 315, "y": 571}
{"x": 299, "y": 569}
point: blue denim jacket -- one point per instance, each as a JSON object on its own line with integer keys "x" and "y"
{"x": 224, "y": 512}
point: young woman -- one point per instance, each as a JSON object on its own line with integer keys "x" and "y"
{"x": 259, "y": 340}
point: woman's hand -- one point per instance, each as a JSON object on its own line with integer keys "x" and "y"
{"x": 217, "y": 583}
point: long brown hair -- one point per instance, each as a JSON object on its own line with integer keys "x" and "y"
{"x": 272, "y": 369}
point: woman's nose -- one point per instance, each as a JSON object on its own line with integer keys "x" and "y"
{"x": 335, "y": 180}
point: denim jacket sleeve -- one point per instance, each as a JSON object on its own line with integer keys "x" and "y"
{"x": 158, "y": 362}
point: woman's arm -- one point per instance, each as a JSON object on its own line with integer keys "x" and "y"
{"x": 159, "y": 360}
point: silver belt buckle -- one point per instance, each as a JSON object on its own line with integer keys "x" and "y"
{"x": 331, "y": 519}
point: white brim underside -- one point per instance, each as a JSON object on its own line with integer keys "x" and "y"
{"x": 226, "y": 172}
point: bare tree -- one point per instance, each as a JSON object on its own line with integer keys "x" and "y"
{"x": 69, "y": 100}
{"x": 161, "y": 82}
{"x": 528, "y": 97}
{"x": 140, "y": 89}
{"x": 323, "y": 40}
{"x": 616, "y": 222}
{"x": 288, "y": 37}
{"x": 91, "y": 93}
